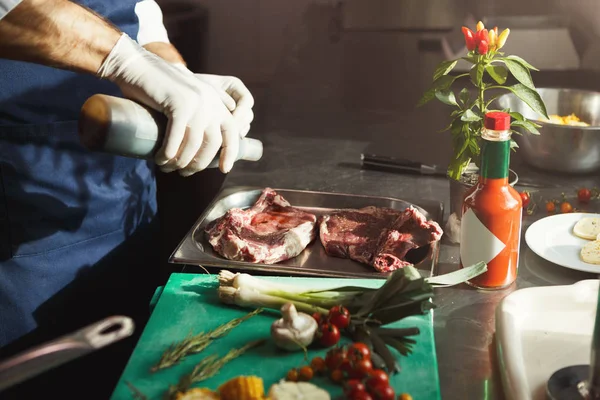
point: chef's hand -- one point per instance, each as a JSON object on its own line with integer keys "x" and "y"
{"x": 236, "y": 89}
{"x": 199, "y": 120}
{"x": 233, "y": 93}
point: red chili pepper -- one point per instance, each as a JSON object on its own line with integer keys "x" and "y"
{"x": 469, "y": 38}
{"x": 483, "y": 47}
{"x": 481, "y": 36}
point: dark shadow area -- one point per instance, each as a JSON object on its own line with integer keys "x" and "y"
{"x": 122, "y": 283}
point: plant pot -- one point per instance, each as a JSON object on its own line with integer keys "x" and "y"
{"x": 458, "y": 189}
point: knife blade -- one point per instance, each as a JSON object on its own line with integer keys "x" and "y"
{"x": 377, "y": 162}
{"x": 402, "y": 165}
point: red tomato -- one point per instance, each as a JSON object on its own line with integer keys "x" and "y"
{"x": 377, "y": 377}
{"x": 359, "y": 395}
{"x": 330, "y": 334}
{"x": 361, "y": 369}
{"x": 339, "y": 316}
{"x": 550, "y": 207}
{"x": 584, "y": 195}
{"x": 525, "y": 198}
{"x": 382, "y": 392}
{"x": 353, "y": 385}
{"x": 335, "y": 358}
{"x": 566, "y": 207}
{"x": 318, "y": 317}
{"x": 359, "y": 351}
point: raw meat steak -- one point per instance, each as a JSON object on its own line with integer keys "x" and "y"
{"x": 269, "y": 232}
{"x": 376, "y": 236}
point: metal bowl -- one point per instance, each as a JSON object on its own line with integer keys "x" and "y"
{"x": 560, "y": 148}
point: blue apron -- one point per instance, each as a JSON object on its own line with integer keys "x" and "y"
{"x": 75, "y": 227}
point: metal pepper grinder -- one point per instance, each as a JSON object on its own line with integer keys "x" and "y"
{"x": 579, "y": 382}
{"x": 123, "y": 127}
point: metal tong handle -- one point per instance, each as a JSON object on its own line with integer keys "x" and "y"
{"x": 44, "y": 357}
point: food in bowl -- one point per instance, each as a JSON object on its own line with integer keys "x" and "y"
{"x": 571, "y": 119}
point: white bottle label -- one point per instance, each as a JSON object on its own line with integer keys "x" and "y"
{"x": 477, "y": 242}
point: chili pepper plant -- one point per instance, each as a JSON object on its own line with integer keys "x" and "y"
{"x": 489, "y": 71}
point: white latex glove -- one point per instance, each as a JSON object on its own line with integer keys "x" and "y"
{"x": 234, "y": 94}
{"x": 199, "y": 121}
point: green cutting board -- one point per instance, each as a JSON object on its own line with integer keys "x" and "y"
{"x": 189, "y": 303}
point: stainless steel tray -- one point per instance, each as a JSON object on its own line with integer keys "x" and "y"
{"x": 194, "y": 249}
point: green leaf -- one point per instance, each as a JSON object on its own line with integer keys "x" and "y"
{"x": 516, "y": 115}
{"x": 470, "y": 116}
{"x": 520, "y": 73}
{"x": 513, "y": 144}
{"x": 526, "y": 125}
{"x": 458, "y": 276}
{"x": 444, "y": 82}
{"x": 522, "y": 62}
{"x": 473, "y": 146}
{"x": 498, "y": 73}
{"x": 444, "y": 68}
{"x": 530, "y": 97}
{"x": 464, "y": 96}
{"x": 446, "y": 96}
{"x": 476, "y": 74}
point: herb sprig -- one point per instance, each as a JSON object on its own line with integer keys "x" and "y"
{"x": 195, "y": 344}
{"x": 208, "y": 367}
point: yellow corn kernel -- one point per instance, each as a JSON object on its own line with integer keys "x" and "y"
{"x": 243, "y": 388}
{"x": 502, "y": 38}
{"x": 480, "y": 26}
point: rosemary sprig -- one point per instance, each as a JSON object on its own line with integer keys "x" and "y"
{"x": 135, "y": 392}
{"x": 195, "y": 344}
{"x": 209, "y": 367}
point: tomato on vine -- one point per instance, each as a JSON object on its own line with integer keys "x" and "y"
{"x": 329, "y": 334}
{"x": 550, "y": 206}
{"x": 339, "y": 316}
{"x": 566, "y": 207}
{"x": 525, "y": 198}
{"x": 584, "y": 195}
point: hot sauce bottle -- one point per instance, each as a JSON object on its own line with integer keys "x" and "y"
{"x": 492, "y": 211}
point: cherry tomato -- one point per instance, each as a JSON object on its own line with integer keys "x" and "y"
{"x": 329, "y": 334}
{"x": 550, "y": 207}
{"x": 584, "y": 195}
{"x": 292, "y": 375}
{"x": 334, "y": 358}
{"x": 359, "y": 395}
{"x": 318, "y": 365}
{"x": 305, "y": 373}
{"x": 359, "y": 351}
{"x": 318, "y": 317}
{"x": 339, "y": 316}
{"x": 382, "y": 392}
{"x": 353, "y": 385}
{"x": 566, "y": 207}
{"x": 336, "y": 376}
{"x": 361, "y": 369}
{"x": 377, "y": 377}
{"x": 525, "y": 198}
{"x": 347, "y": 369}
{"x": 404, "y": 396}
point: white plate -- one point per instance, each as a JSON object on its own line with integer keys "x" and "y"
{"x": 552, "y": 238}
{"x": 541, "y": 330}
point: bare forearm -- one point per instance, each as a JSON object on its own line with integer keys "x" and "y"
{"x": 166, "y": 51}
{"x": 57, "y": 33}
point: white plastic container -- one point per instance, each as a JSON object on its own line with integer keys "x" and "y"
{"x": 123, "y": 127}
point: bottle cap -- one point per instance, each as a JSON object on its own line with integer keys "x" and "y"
{"x": 497, "y": 121}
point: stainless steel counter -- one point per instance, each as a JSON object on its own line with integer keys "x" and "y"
{"x": 326, "y": 157}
